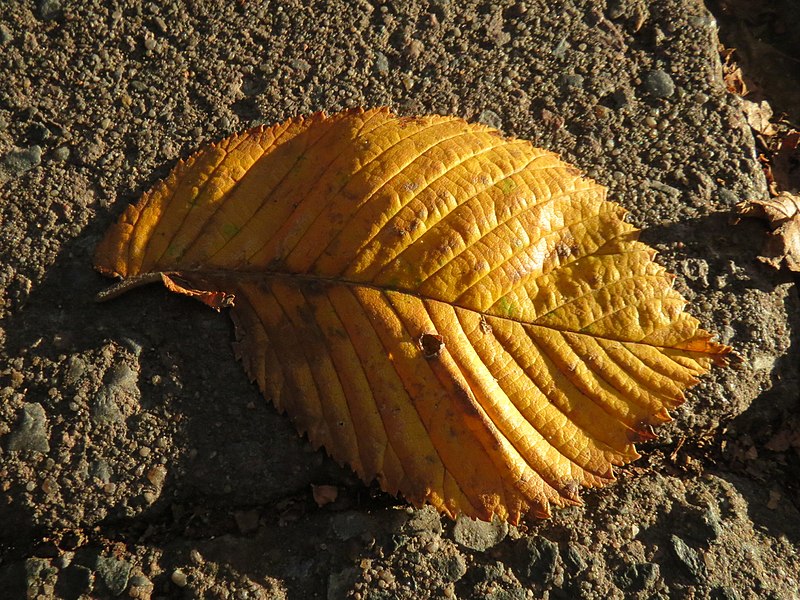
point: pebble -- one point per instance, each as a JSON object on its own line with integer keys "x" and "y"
{"x": 160, "y": 24}
{"x": 49, "y": 9}
{"x": 725, "y": 593}
{"x": 149, "y": 42}
{"x": 114, "y": 573}
{"x": 39, "y": 133}
{"x": 638, "y": 577}
{"x": 414, "y": 49}
{"x": 538, "y": 559}
{"x": 61, "y": 154}
{"x": 105, "y": 410}
{"x": 157, "y": 475}
{"x": 727, "y": 197}
{"x": 179, "y": 578}
{"x": 20, "y": 161}
{"x": 688, "y": 557}
{"x": 76, "y": 367}
{"x": 381, "y": 63}
{"x": 301, "y": 65}
{"x": 5, "y": 35}
{"x": 479, "y": 535}
{"x": 574, "y": 558}
{"x": 450, "y": 568}
{"x": 659, "y": 84}
{"x": 31, "y": 431}
{"x": 424, "y": 520}
{"x": 571, "y": 82}
{"x": 490, "y": 118}
{"x": 121, "y": 377}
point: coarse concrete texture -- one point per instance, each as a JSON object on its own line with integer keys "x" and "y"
{"x": 135, "y": 458}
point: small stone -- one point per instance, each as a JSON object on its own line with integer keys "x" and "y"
{"x": 49, "y": 9}
{"x": 160, "y": 24}
{"x": 149, "y": 42}
{"x": 659, "y": 84}
{"x": 490, "y": 118}
{"x": 450, "y": 568}
{"x": 728, "y": 197}
{"x": 39, "y": 133}
{"x": 424, "y": 520}
{"x": 179, "y": 578}
{"x": 61, "y": 154}
{"x": 574, "y": 559}
{"x": 638, "y": 577}
{"x": 538, "y": 559}
{"x": 114, "y": 573}
{"x": 704, "y": 527}
{"x": 724, "y": 593}
{"x": 381, "y": 63}
{"x": 561, "y": 48}
{"x": 414, "y": 49}
{"x": 121, "y": 377}
{"x": 5, "y": 35}
{"x": 570, "y": 82}
{"x": 689, "y": 558}
{"x": 105, "y": 410}
{"x": 301, "y": 65}
{"x": 479, "y": 535}
{"x": 140, "y": 581}
{"x": 101, "y": 471}
{"x": 31, "y": 430}
{"x": 19, "y": 161}
{"x": 156, "y": 475}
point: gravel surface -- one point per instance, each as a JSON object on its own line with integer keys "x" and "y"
{"x": 135, "y": 458}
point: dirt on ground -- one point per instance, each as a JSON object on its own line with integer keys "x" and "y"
{"x": 136, "y": 460}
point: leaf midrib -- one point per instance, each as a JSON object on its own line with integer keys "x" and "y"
{"x": 233, "y": 275}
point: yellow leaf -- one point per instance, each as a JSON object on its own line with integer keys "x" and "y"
{"x": 457, "y": 314}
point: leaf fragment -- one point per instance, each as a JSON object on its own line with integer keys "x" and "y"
{"x": 459, "y": 315}
{"x": 782, "y": 213}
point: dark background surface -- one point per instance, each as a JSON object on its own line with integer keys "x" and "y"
{"x": 136, "y": 459}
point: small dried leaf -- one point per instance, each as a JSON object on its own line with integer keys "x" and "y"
{"x": 759, "y": 115}
{"x": 782, "y": 213}
{"x": 732, "y": 73}
{"x": 456, "y": 314}
{"x": 324, "y": 494}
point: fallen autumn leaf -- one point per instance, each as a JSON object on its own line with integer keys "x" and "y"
{"x": 460, "y": 315}
{"x": 782, "y": 213}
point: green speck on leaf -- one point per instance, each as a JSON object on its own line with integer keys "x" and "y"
{"x": 507, "y": 185}
{"x": 229, "y": 230}
{"x": 506, "y": 307}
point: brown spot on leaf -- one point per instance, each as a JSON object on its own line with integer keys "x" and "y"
{"x": 431, "y": 344}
